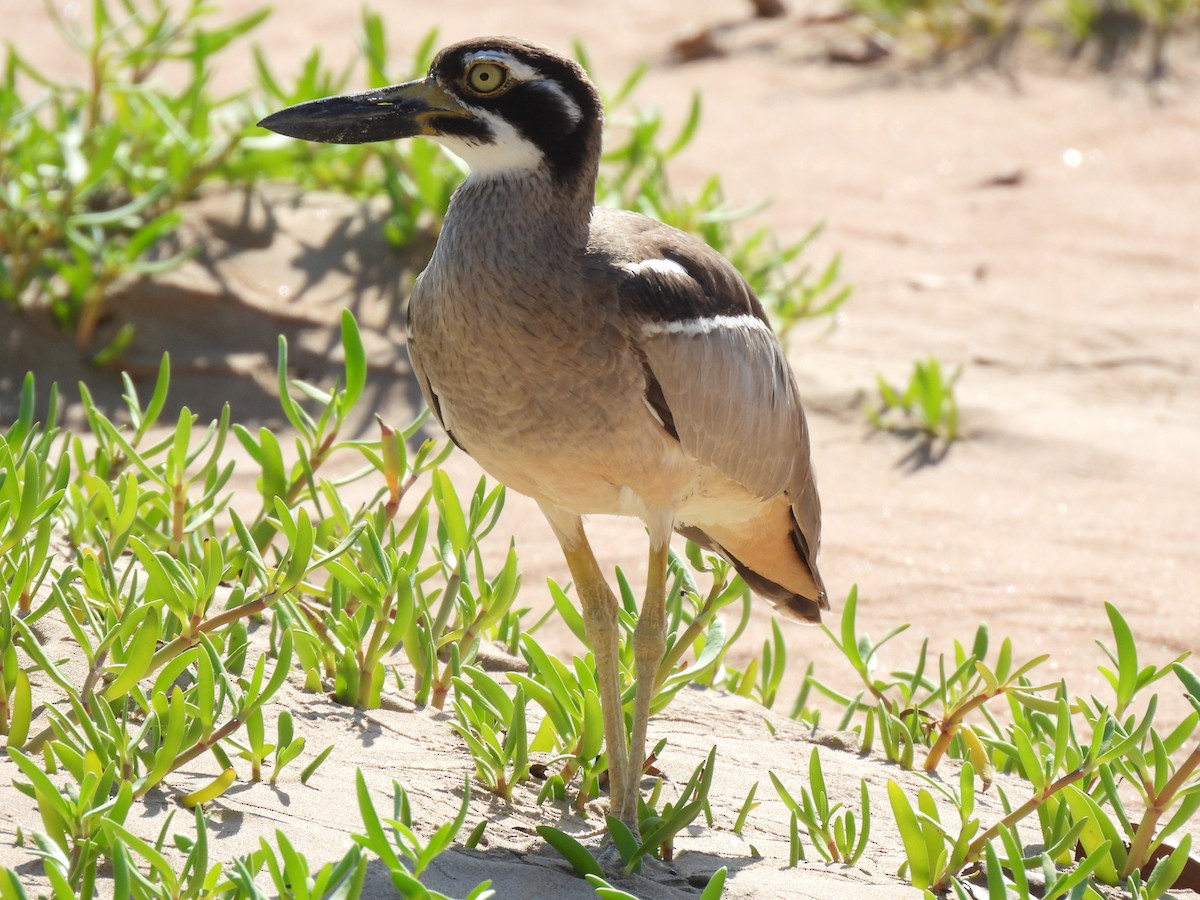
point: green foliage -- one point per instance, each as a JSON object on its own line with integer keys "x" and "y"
{"x": 572, "y": 851}
{"x": 494, "y": 727}
{"x": 934, "y": 853}
{"x": 748, "y": 806}
{"x": 291, "y": 876}
{"x": 659, "y": 827}
{"x": 32, "y": 485}
{"x": 714, "y": 890}
{"x": 694, "y": 622}
{"x": 833, "y": 828}
{"x": 93, "y": 173}
{"x": 168, "y": 579}
{"x": 414, "y": 855}
{"x": 987, "y": 30}
{"x": 572, "y": 731}
{"x": 1075, "y": 781}
{"x": 942, "y": 25}
{"x": 416, "y": 177}
{"x": 158, "y": 599}
{"x": 186, "y": 611}
{"x": 926, "y": 407}
{"x": 1073, "y": 754}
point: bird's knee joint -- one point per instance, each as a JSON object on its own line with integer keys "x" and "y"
{"x": 649, "y": 641}
{"x": 599, "y": 616}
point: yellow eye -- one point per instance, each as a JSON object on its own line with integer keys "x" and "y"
{"x": 486, "y": 77}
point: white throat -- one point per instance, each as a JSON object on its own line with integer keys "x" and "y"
{"x": 509, "y": 153}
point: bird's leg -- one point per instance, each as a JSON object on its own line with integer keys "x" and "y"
{"x": 649, "y": 645}
{"x": 600, "y": 610}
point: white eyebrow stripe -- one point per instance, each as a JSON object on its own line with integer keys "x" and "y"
{"x": 661, "y": 266}
{"x": 706, "y": 325}
{"x": 522, "y": 71}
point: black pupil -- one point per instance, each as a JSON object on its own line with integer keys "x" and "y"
{"x": 485, "y": 76}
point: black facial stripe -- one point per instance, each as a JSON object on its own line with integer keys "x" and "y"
{"x": 467, "y": 128}
{"x": 539, "y": 115}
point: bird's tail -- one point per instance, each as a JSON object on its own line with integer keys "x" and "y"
{"x": 802, "y": 596}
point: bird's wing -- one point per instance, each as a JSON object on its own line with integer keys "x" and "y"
{"x": 716, "y": 375}
{"x": 414, "y": 357}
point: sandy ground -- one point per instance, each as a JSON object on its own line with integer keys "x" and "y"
{"x": 1071, "y": 299}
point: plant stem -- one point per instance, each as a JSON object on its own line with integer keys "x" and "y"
{"x": 170, "y": 650}
{"x": 89, "y": 683}
{"x": 1139, "y": 847}
{"x": 393, "y": 504}
{"x": 975, "y": 851}
{"x": 689, "y": 635}
{"x": 949, "y": 726}
{"x": 441, "y": 688}
{"x": 201, "y": 747}
{"x": 370, "y": 658}
{"x": 320, "y": 454}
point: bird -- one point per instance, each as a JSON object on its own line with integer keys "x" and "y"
{"x": 593, "y": 359}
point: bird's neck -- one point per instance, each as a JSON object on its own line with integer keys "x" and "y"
{"x": 518, "y": 210}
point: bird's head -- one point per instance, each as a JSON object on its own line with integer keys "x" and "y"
{"x": 502, "y": 105}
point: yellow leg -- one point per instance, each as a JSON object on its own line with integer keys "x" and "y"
{"x": 649, "y": 645}
{"x": 600, "y": 622}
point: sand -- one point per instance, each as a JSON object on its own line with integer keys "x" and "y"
{"x": 1070, "y": 296}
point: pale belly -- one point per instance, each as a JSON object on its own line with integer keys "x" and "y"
{"x": 582, "y": 441}
{"x": 638, "y": 471}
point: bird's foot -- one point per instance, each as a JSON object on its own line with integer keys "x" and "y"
{"x": 609, "y": 857}
{"x": 614, "y": 864}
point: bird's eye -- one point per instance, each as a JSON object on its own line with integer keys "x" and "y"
{"x": 486, "y": 77}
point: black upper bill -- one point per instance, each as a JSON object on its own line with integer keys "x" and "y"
{"x": 383, "y": 114}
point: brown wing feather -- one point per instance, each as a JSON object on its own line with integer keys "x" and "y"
{"x": 727, "y": 391}
{"x": 734, "y": 404}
